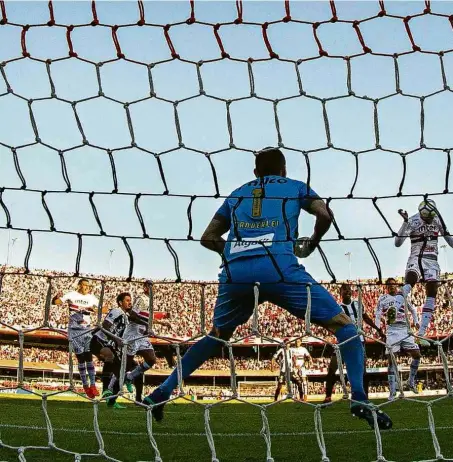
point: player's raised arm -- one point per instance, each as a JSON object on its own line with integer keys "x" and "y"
{"x": 212, "y": 237}
{"x": 404, "y": 230}
{"x": 446, "y": 235}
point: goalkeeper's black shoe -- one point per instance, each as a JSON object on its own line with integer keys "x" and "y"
{"x": 154, "y": 398}
{"x": 364, "y": 411}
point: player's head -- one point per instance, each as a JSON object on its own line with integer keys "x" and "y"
{"x": 392, "y": 286}
{"x": 147, "y": 287}
{"x": 270, "y": 161}
{"x": 345, "y": 292}
{"x": 124, "y": 301}
{"x": 83, "y": 286}
{"x": 298, "y": 343}
{"x": 427, "y": 210}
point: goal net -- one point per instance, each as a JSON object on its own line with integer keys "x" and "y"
{"x": 123, "y": 127}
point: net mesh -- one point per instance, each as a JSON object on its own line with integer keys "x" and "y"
{"x": 166, "y": 31}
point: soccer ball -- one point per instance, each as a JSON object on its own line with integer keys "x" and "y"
{"x": 427, "y": 209}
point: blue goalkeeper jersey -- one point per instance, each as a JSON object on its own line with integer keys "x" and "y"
{"x": 263, "y": 216}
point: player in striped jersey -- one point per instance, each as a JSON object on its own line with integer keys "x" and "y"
{"x": 391, "y": 306}
{"x": 351, "y": 308}
{"x": 81, "y": 304}
{"x": 136, "y": 334}
{"x": 423, "y": 229}
{"x": 108, "y": 348}
{"x": 296, "y": 363}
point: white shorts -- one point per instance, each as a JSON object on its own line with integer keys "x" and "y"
{"x": 140, "y": 344}
{"x": 81, "y": 339}
{"x": 398, "y": 339}
{"x": 431, "y": 269}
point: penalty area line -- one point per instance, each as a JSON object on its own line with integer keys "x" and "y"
{"x": 225, "y": 435}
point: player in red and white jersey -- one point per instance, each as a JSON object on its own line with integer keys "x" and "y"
{"x": 392, "y": 306}
{"x": 136, "y": 334}
{"x": 299, "y": 356}
{"x": 81, "y": 304}
{"x": 423, "y": 229}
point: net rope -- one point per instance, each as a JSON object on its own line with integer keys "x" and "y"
{"x": 91, "y": 196}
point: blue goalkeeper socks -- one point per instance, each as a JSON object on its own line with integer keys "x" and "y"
{"x": 353, "y": 356}
{"x": 191, "y": 361}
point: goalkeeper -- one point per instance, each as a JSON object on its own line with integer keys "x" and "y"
{"x": 262, "y": 220}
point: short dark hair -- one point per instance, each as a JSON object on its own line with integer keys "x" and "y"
{"x": 269, "y": 161}
{"x": 122, "y": 296}
{"x": 83, "y": 280}
{"x": 387, "y": 281}
{"x": 344, "y": 285}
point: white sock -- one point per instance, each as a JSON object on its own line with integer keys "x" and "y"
{"x": 427, "y": 314}
{"x": 392, "y": 380}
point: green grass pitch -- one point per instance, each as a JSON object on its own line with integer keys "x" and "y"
{"x": 236, "y": 429}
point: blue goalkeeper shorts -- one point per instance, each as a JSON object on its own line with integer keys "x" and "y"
{"x": 235, "y": 301}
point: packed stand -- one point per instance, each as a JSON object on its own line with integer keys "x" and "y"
{"x": 25, "y": 298}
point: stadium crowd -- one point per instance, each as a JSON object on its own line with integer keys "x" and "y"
{"x": 59, "y": 356}
{"x": 25, "y": 299}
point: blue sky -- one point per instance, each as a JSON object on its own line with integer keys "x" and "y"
{"x": 203, "y": 126}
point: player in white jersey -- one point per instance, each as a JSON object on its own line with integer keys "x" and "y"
{"x": 299, "y": 356}
{"x": 423, "y": 229}
{"x": 295, "y": 378}
{"x": 391, "y": 306}
{"x": 81, "y": 304}
{"x": 351, "y": 308}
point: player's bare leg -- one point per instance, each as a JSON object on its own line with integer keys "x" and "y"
{"x": 278, "y": 390}
{"x": 410, "y": 279}
{"x": 300, "y": 388}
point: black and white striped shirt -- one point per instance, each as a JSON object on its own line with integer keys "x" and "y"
{"x": 352, "y": 310}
